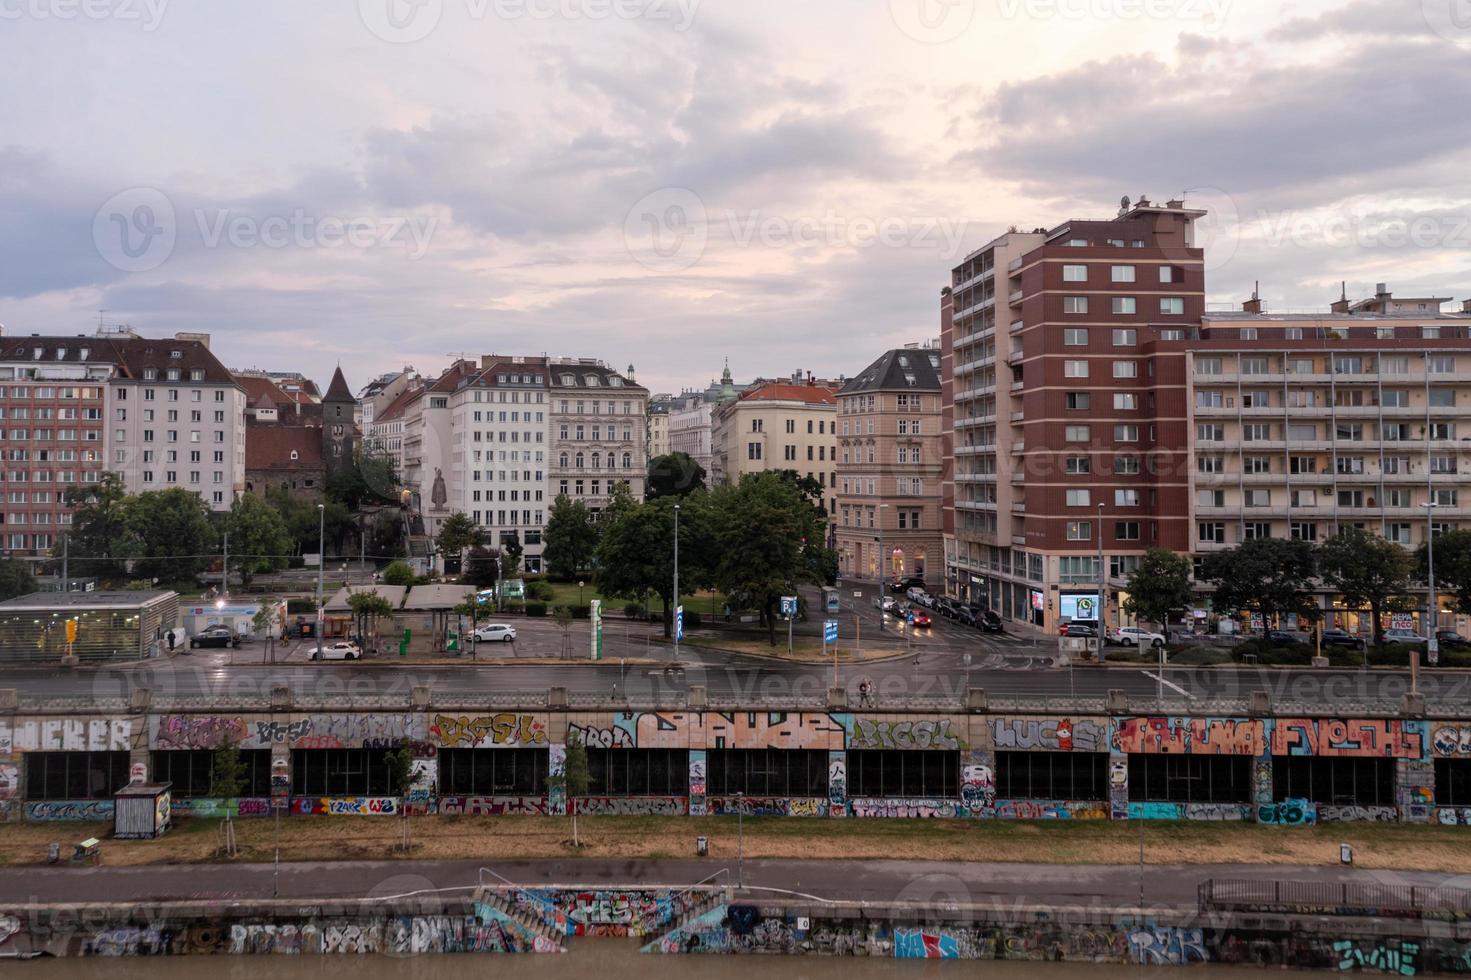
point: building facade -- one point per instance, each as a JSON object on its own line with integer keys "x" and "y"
{"x": 888, "y": 474}
{"x": 777, "y": 425}
{"x": 597, "y": 430}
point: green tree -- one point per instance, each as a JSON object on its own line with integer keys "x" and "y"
{"x": 258, "y": 536}
{"x": 574, "y": 779}
{"x": 370, "y": 479}
{"x": 1159, "y": 586}
{"x": 673, "y": 475}
{"x": 1452, "y": 566}
{"x": 398, "y": 573}
{"x": 570, "y": 538}
{"x": 100, "y": 540}
{"x": 400, "y": 771}
{"x": 15, "y": 578}
{"x": 482, "y": 567}
{"x": 457, "y": 533}
{"x": 175, "y": 537}
{"x": 768, "y": 537}
{"x": 367, "y": 608}
{"x": 562, "y": 616}
{"x": 636, "y": 552}
{"x": 1368, "y": 572}
{"x": 1269, "y": 576}
{"x": 226, "y": 771}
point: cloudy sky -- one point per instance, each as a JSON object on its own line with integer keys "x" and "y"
{"x": 670, "y": 182}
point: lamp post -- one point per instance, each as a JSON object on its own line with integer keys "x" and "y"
{"x": 883, "y": 560}
{"x": 1102, "y": 583}
{"x": 1432, "y": 645}
{"x": 674, "y": 614}
{"x": 321, "y": 570}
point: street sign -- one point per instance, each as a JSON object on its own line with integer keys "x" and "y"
{"x": 789, "y": 606}
{"x": 1433, "y": 651}
{"x": 858, "y": 593}
{"x": 830, "y": 631}
{"x": 452, "y": 640}
{"x": 679, "y": 623}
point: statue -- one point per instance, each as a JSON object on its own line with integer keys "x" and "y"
{"x": 438, "y": 496}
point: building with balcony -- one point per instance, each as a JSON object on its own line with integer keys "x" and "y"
{"x": 777, "y": 425}
{"x": 598, "y": 430}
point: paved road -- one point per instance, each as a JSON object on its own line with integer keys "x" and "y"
{"x": 876, "y": 881}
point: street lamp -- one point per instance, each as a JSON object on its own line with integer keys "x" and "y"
{"x": 1432, "y": 646}
{"x": 1102, "y": 583}
{"x": 321, "y": 570}
{"x": 883, "y": 560}
{"x": 674, "y": 614}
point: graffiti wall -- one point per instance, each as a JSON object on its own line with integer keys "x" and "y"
{"x": 1049, "y": 734}
{"x": 1204, "y": 736}
{"x": 766, "y": 806}
{"x": 493, "y": 806}
{"x": 935, "y": 809}
{"x": 505, "y": 729}
{"x": 341, "y": 730}
{"x": 1389, "y": 738}
{"x": 1051, "y": 810}
{"x": 348, "y": 806}
{"x": 66, "y": 735}
{"x": 216, "y": 808}
{"x": 618, "y": 912}
{"x": 900, "y": 732}
{"x": 44, "y": 810}
{"x": 630, "y": 806}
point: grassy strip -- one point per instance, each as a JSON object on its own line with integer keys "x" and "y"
{"x": 1428, "y": 848}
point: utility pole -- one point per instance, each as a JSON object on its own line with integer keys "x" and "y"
{"x": 66, "y": 542}
{"x": 675, "y": 612}
{"x": 225, "y": 577}
{"x": 1432, "y": 643}
{"x": 321, "y": 571}
{"x": 1102, "y": 583}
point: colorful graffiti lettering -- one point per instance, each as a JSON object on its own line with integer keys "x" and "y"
{"x": 774, "y": 730}
{"x": 1049, "y": 734}
{"x": 1328, "y": 813}
{"x": 375, "y": 806}
{"x": 1201, "y": 736}
{"x": 766, "y": 806}
{"x": 69, "y": 810}
{"x": 936, "y": 734}
{"x": 1379, "y": 737}
{"x": 837, "y": 783}
{"x": 211, "y": 808}
{"x": 937, "y": 809}
{"x": 1288, "y": 813}
{"x": 629, "y": 806}
{"x": 497, "y": 806}
{"x": 1451, "y": 740}
{"x": 66, "y": 735}
{"x": 602, "y": 738}
{"x": 505, "y": 728}
{"x": 697, "y": 782}
{"x": 197, "y": 731}
{"x": 271, "y": 732}
{"x": 1167, "y": 946}
{"x": 977, "y": 787}
{"x": 1050, "y": 810}
{"x": 1395, "y": 956}
{"x": 1453, "y": 816}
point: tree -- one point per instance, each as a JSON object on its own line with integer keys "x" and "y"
{"x": 574, "y": 778}
{"x": 482, "y": 567}
{"x": 1452, "y": 566}
{"x": 99, "y": 539}
{"x": 398, "y": 573}
{"x": 1159, "y": 586}
{"x": 1270, "y": 576}
{"x": 570, "y": 538}
{"x": 15, "y": 578}
{"x": 172, "y": 532}
{"x": 562, "y": 616}
{"x": 510, "y": 554}
{"x": 258, "y": 535}
{"x": 1367, "y": 571}
{"x": 636, "y": 552}
{"x": 367, "y": 608}
{"x": 400, "y": 771}
{"x": 226, "y": 771}
{"x": 768, "y": 537}
{"x": 457, "y": 533}
{"x": 370, "y": 478}
{"x": 673, "y": 475}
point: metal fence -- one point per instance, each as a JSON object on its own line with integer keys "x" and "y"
{"x": 1375, "y": 898}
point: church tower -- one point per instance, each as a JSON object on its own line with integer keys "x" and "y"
{"x": 339, "y": 434}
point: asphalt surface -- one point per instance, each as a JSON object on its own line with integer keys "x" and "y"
{"x": 871, "y": 881}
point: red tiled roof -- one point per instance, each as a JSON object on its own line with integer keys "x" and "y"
{"x": 269, "y": 447}
{"x": 776, "y": 391}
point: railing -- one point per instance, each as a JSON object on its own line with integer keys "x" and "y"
{"x": 1373, "y": 898}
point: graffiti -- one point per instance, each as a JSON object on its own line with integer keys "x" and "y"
{"x": 977, "y": 787}
{"x": 938, "y": 809}
{"x": 774, "y": 730}
{"x": 1201, "y": 736}
{"x": 66, "y": 735}
{"x": 9, "y": 926}
{"x": 1288, "y": 813}
{"x": 630, "y": 806}
{"x": 1451, "y": 740}
{"x": 69, "y": 810}
{"x": 418, "y": 747}
{"x": 1156, "y": 811}
{"x": 9, "y": 780}
{"x": 1382, "y": 814}
{"x": 491, "y": 931}
{"x": 556, "y": 779}
{"x": 352, "y": 939}
{"x": 215, "y": 808}
{"x": 837, "y": 783}
{"x": 1217, "y": 811}
{"x": 868, "y": 734}
{"x": 126, "y": 941}
{"x": 505, "y": 728}
{"x": 1051, "y": 735}
{"x": 697, "y": 782}
{"x": 197, "y": 731}
{"x": 271, "y": 732}
{"x": 1261, "y": 780}
{"x": 493, "y": 806}
{"x": 1396, "y": 956}
{"x": 375, "y": 806}
{"x": 765, "y": 806}
{"x": 1453, "y": 816}
{"x": 1167, "y": 946}
{"x": 1332, "y": 737}
{"x": 610, "y": 912}
{"x": 1050, "y": 810}
{"x": 288, "y": 938}
{"x": 944, "y": 944}
{"x": 602, "y": 738}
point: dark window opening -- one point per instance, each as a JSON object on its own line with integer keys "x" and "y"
{"x": 75, "y": 775}
{"x": 189, "y": 770}
{"x": 1453, "y": 782}
{"x": 1333, "y": 780}
{"x": 638, "y": 772}
{"x": 1190, "y": 778}
{"x": 895, "y": 773}
{"x": 493, "y": 772}
{"x": 339, "y": 772}
{"x": 766, "y": 772}
{"x": 1052, "y": 775}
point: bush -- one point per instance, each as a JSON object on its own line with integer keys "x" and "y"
{"x": 581, "y": 612}
{"x": 540, "y": 590}
{"x": 691, "y": 620}
{"x": 536, "y": 609}
{"x": 1290, "y": 654}
{"x": 300, "y": 605}
{"x": 398, "y": 573}
{"x": 633, "y": 610}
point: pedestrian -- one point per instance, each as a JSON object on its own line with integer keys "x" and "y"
{"x": 863, "y": 693}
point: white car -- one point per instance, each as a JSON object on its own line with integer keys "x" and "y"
{"x": 341, "y": 650}
{"x": 1132, "y": 636}
{"x": 496, "y": 633}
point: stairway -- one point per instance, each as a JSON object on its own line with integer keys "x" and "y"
{"x": 536, "y": 936}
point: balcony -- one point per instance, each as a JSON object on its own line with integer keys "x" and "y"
{"x": 1017, "y": 385}
{"x": 1018, "y": 416}
{"x": 1017, "y": 326}
{"x": 1016, "y": 296}
{"x": 1018, "y": 447}
{"x": 1015, "y": 357}
{"x": 1014, "y": 264}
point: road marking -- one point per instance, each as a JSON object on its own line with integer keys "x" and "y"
{"x": 1177, "y": 687}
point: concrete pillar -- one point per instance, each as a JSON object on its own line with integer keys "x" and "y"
{"x": 139, "y": 700}
{"x": 837, "y": 783}
{"x": 975, "y": 699}
{"x": 1260, "y": 704}
{"x": 697, "y": 782}
{"x": 280, "y": 697}
{"x": 419, "y": 698}
{"x": 9, "y": 699}
{"x": 557, "y": 697}
{"x": 696, "y": 698}
{"x": 837, "y": 699}
{"x": 1118, "y": 701}
{"x": 280, "y": 776}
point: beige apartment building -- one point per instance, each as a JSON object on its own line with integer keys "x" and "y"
{"x": 891, "y": 455}
{"x": 777, "y": 425}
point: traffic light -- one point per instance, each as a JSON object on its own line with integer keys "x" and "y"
{"x": 71, "y": 631}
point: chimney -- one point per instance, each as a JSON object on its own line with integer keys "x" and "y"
{"x": 1340, "y": 305}
{"x": 1253, "y": 305}
{"x": 1175, "y": 203}
{"x": 1381, "y": 290}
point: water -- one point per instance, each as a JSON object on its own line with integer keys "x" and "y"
{"x": 587, "y": 959}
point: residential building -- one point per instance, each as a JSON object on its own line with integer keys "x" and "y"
{"x": 691, "y": 415}
{"x": 777, "y": 425}
{"x": 888, "y": 473}
{"x": 597, "y": 424}
{"x": 657, "y": 439}
{"x": 295, "y": 441}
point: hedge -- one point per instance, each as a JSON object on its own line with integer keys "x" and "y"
{"x": 536, "y": 609}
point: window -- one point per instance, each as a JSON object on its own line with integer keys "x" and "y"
{"x": 1121, "y": 273}
{"x": 1258, "y": 464}
{"x": 1077, "y": 465}
{"x": 1126, "y": 531}
{"x": 774, "y": 772}
{"x": 1440, "y": 364}
{"x": 1167, "y": 273}
{"x": 1125, "y": 401}
{"x": 1075, "y": 273}
{"x": 1397, "y": 364}
{"x": 189, "y": 771}
{"x": 1256, "y": 432}
{"x": 1171, "y": 306}
{"x": 1075, "y": 304}
{"x": 1078, "y": 498}
{"x": 1076, "y": 400}
{"x": 1060, "y": 776}
{"x": 491, "y": 771}
{"x": 1126, "y": 465}
{"x": 1126, "y": 369}
{"x": 885, "y": 773}
{"x": 1304, "y": 531}
{"x": 638, "y": 772}
{"x": 1079, "y": 531}
{"x": 1210, "y": 498}
{"x": 1210, "y": 464}
{"x": 1208, "y": 432}
{"x": 1339, "y": 780}
{"x": 1124, "y": 305}
{"x": 1075, "y": 337}
{"x": 1207, "y": 365}
{"x": 1255, "y": 365}
{"x": 1211, "y": 532}
{"x": 1126, "y": 433}
{"x": 1126, "y": 498}
{"x": 1076, "y": 433}
{"x": 74, "y": 775}
{"x": 1125, "y": 336}
{"x": 1209, "y": 399}
{"x": 1258, "y": 498}
{"x": 1075, "y": 369}
{"x": 1191, "y": 778}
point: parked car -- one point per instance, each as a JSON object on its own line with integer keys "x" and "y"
{"x": 1451, "y": 640}
{"x": 1408, "y": 637}
{"x": 1134, "y": 636}
{"x": 214, "y": 636}
{"x": 886, "y": 604}
{"x": 339, "y": 650}
{"x": 988, "y": 621}
{"x": 916, "y": 594}
{"x": 1342, "y": 638}
{"x": 1081, "y": 627}
{"x": 496, "y": 633}
{"x": 1281, "y": 638}
{"x": 945, "y": 606}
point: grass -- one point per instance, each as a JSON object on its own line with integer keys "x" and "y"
{"x": 568, "y": 594}
{"x": 1428, "y": 848}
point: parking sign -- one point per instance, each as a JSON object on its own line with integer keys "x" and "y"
{"x": 789, "y": 606}
{"x": 830, "y": 631}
